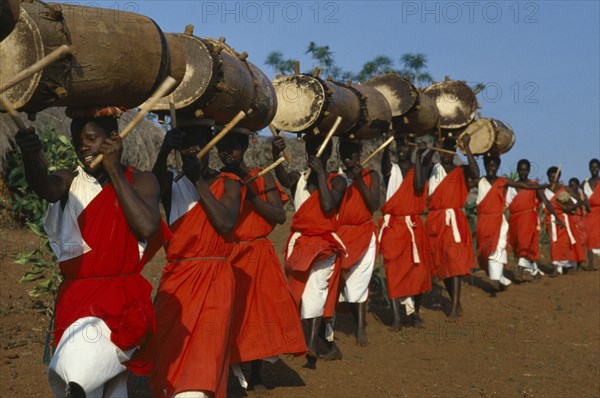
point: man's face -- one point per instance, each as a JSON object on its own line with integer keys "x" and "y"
{"x": 491, "y": 168}
{"x": 230, "y": 152}
{"x": 574, "y": 186}
{"x": 350, "y": 155}
{"x": 523, "y": 171}
{"x": 403, "y": 151}
{"x": 552, "y": 176}
{"x": 87, "y": 144}
{"x": 594, "y": 167}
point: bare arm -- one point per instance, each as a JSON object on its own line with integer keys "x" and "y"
{"x": 525, "y": 185}
{"x": 369, "y": 194}
{"x": 420, "y": 170}
{"x": 138, "y": 201}
{"x": 287, "y": 180}
{"x": 272, "y": 209}
{"x": 51, "y": 187}
{"x": 222, "y": 213}
{"x": 542, "y": 197}
{"x": 386, "y": 165}
{"x": 472, "y": 168}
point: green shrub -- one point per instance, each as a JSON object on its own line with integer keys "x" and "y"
{"x": 29, "y": 210}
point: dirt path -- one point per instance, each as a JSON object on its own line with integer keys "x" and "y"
{"x": 534, "y": 340}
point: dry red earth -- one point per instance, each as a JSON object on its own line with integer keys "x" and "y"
{"x": 534, "y": 340}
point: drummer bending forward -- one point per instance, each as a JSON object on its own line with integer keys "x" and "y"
{"x": 98, "y": 223}
{"x": 313, "y": 247}
{"x": 446, "y": 223}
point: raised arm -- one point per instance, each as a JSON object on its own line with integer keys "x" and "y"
{"x": 51, "y": 187}
{"x": 140, "y": 201}
{"x": 421, "y": 172}
{"x": 222, "y": 213}
{"x": 525, "y": 185}
{"x": 287, "y": 180}
{"x": 173, "y": 141}
{"x": 369, "y": 194}
{"x": 272, "y": 209}
{"x": 386, "y": 165}
{"x": 472, "y": 168}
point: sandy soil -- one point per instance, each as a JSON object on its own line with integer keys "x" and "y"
{"x": 534, "y": 340}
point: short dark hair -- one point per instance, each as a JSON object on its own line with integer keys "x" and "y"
{"x": 491, "y": 158}
{"x": 595, "y": 160}
{"x": 551, "y": 170}
{"x": 524, "y": 162}
{"x": 107, "y": 124}
{"x": 349, "y": 146}
{"x": 575, "y": 180}
{"x": 449, "y": 143}
{"x": 313, "y": 143}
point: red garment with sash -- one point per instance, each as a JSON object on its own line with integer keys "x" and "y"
{"x": 193, "y": 306}
{"x": 405, "y": 277}
{"x": 592, "y": 220}
{"x": 265, "y": 321}
{"x": 562, "y": 249}
{"x": 450, "y": 258}
{"x": 524, "y": 224}
{"x": 355, "y": 227}
{"x": 489, "y": 221}
{"x": 106, "y": 282}
{"x": 314, "y": 243}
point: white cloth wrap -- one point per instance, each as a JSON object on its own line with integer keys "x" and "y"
{"x": 62, "y": 226}
{"x": 86, "y": 355}
{"x": 358, "y": 276}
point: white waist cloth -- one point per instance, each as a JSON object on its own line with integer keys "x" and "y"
{"x": 567, "y": 226}
{"x": 451, "y": 222}
{"x": 85, "y": 355}
{"x": 358, "y": 276}
{"x": 317, "y": 286}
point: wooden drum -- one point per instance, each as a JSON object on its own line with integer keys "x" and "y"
{"x": 456, "y": 102}
{"x": 400, "y": 93}
{"x": 125, "y": 73}
{"x": 489, "y": 136}
{"x": 376, "y": 115}
{"x": 422, "y": 119}
{"x": 306, "y": 102}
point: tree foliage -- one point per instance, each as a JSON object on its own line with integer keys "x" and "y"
{"x": 414, "y": 66}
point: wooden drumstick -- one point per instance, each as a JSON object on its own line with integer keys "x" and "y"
{"x": 168, "y": 84}
{"x": 325, "y": 142}
{"x": 38, "y": 66}
{"x": 216, "y": 139}
{"x": 173, "y": 113}
{"x": 266, "y": 170}
{"x": 556, "y": 177}
{"x": 12, "y": 113}
{"x": 376, "y": 151}
{"x": 433, "y": 148}
{"x": 285, "y": 152}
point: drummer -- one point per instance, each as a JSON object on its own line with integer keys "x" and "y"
{"x": 313, "y": 247}
{"x": 446, "y": 223}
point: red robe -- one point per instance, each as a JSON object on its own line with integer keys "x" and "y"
{"x": 315, "y": 242}
{"x": 193, "y": 307}
{"x": 524, "y": 224}
{"x": 450, "y": 258}
{"x": 490, "y": 213}
{"x": 355, "y": 227}
{"x": 593, "y": 220}
{"x": 265, "y": 320}
{"x": 562, "y": 249}
{"x": 106, "y": 282}
{"x": 580, "y": 231}
{"x": 405, "y": 277}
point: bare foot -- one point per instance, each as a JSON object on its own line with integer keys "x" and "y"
{"x": 417, "y": 321}
{"x": 311, "y": 360}
{"x": 361, "y": 338}
{"x": 452, "y": 317}
{"x": 258, "y": 389}
{"x": 333, "y": 354}
{"x": 396, "y": 326}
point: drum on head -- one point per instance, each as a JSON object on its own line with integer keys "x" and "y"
{"x": 305, "y": 102}
{"x": 216, "y": 84}
{"x": 264, "y": 101}
{"x": 376, "y": 115}
{"x": 96, "y": 74}
{"x": 422, "y": 119}
{"x": 505, "y": 137}
{"x": 482, "y": 134}
{"x": 400, "y": 93}
{"x": 456, "y": 102}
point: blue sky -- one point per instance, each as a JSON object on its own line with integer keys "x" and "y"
{"x": 539, "y": 59}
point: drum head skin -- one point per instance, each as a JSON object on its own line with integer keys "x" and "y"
{"x": 505, "y": 137}
{"x": 482, "y": 137}
{"x": 198, "y": 73}
{"x": 456, "y": 103}
{"x": 264, "y": 102}
{"x": 22, "y": 48}
{"x": 300, "y": 100}
{"x": 399, "y": 92}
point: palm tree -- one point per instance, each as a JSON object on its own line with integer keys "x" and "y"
{"x": 280, "y": 65}
{"x": 414, "y": 65}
